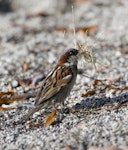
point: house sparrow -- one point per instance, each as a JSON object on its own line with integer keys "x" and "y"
{"x": 58, "y": 83}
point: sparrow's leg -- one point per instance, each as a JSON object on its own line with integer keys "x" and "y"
{"x": 62, "y": 107}
{"x": 54, "y": 108}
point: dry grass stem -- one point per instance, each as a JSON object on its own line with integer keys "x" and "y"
{"x": 86, "y": 53}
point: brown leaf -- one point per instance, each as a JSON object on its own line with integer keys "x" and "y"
{"x": 78, "y": 29}
{"x": 117, "y": 88}
{"x": 111, "y": 87}
{"x": 87, "y": 28}
{"x": 88, "y": 93}
{"x": 96, "y": 82}
{"x": 33, "y": 124}
{"x": 62, "y": 29}
{"x": 4, "y": 96}
{"x": 9, "y": 97}
{"x": 3, "y": 108}
{"x": 99, "y": 82}
{"x": 51, "y": 118}
{"x": 25, "y": 65}
{"x": 25, "y": 82}
{"x": 98, "y": 69}
{"x": 38, "y": 14}
{"x": 26, "y": 95}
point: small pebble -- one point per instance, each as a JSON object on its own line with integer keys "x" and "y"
{"x": 15, "y": 83}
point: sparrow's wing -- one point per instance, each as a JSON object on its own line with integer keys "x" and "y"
{"x": 55, "y": 80}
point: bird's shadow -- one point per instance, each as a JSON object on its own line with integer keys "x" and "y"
{"x": 90, "y": 103}
{"x": 94, "y": 102}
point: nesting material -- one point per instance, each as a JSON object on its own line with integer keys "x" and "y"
{"x": 86, "y": 54}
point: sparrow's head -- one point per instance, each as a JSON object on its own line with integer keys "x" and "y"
{"x": 69, "y": 58}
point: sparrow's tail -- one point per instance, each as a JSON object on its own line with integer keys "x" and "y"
{"x": 31, "y": 112}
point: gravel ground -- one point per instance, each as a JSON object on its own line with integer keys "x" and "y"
{"x": 30, "y": 34}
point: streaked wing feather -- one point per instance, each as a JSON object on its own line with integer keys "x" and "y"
{"x": 53, "y": 83}
{"x": 64, "y": 81}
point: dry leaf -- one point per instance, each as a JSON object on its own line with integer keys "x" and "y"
{"x": 87, "y": 29}
{"x": 2, "y": 94}
{"x": 9, "y": 97}
{"x": 3, "y": 108}
{"x": 111, "y": 87}
{"x": 24, "y": 96}
{"x": 51, "y": 118}
{"x": 84, "y": 29}
{"x": 88, "y": 93}
{"x": 38, "y": 14}
{"x": 25, "y": 82}
{"x": 33, "y": 124}
{"x": 25, "y": 65}
{"x": 116, "y": 88}
{"x": 96, "y": 82}
{"x": 4, "y": 97}
{"x": 98, "y": 69}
